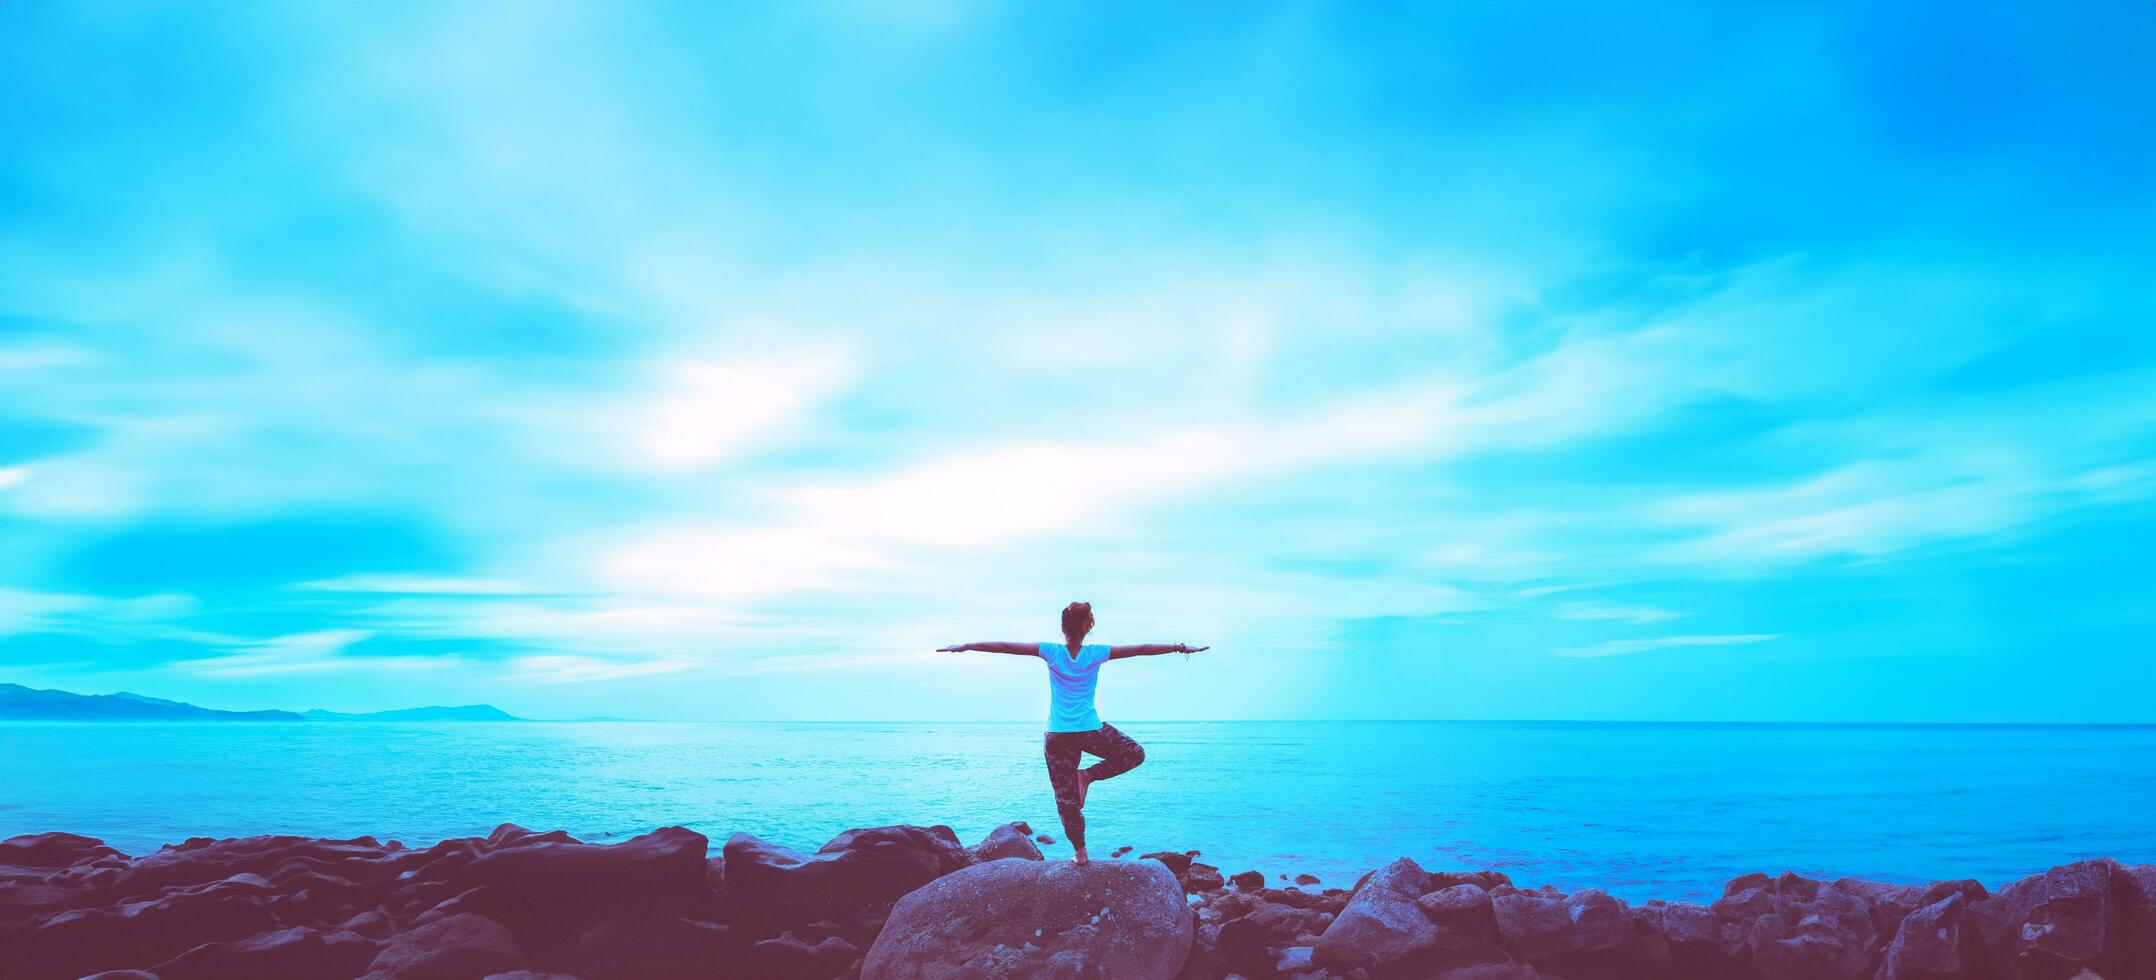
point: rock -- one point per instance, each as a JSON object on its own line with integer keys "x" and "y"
{"x": 1120, "y": 851}
{"x": 1249, "y": 879}
{"x": 297, "y": 953}
{"x": 1260, "y": 927}
{"x": 1488, "y": 881}
{"x": 1462, "y": 908}
{"x": 1306, "y": 878}
{"x": 457, "y": 947}
{"x": 791, "y": 958}
{"x": 1696, "y": 943}
{"x": 1581, "y": 936}
{"x": 1045, "y": 839}
{"x": 1016, "y": 919}
{"x": 1812, "y": 949}
{"x": 1294, "y": 959}
{"x": 1492, "y": 971}
{"x": 634, "y": 947}
{"x": 1931, "y": 944}
{"x": 1745, "y": 905}
{"x": 1177, "y": 863}
{"x": 2055, "y": 923}
{"x": 1244, "y": 946}
{"x": 529, "y": 975}
{"x": 1007, "y": 841}
{"x": 53, "y": 851}
{"x": 1202, "y": 878}
{"x": 2140, "y": 880}
{"x": 856, "y": 870}
{"x": 372, "y": 924}
{"x": 550, "y": 892}
{"x": 1382, "y": 930}
{"x": 140, "y": 933}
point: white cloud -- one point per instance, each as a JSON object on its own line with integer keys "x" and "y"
{"x": 571, "y": 669}
{"x": 1619, "y": 647}
{"x": 710, "y": 409}
{"x": 12, "y": 475}
{"x": 1865, "y": 509}
{"x": 302, "y": 653}
{"x": 416, "y": 585}
{"x": 24, "y": 611}
{"x": 1622, "y": 614}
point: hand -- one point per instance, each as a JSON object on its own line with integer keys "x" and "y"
{"x": 1192, "y": 649}
{"x": 961, "y": 648}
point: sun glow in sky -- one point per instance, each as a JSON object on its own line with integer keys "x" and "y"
{"x": 1684, "y": 361}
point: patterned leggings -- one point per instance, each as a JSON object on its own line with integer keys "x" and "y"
{"x": 1118, "y": 755}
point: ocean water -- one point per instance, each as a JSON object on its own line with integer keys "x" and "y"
{"x": 1644, "y": 811}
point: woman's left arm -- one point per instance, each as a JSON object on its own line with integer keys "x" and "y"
{"x": 1150, "y": 650}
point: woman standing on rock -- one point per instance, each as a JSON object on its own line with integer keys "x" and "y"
{"x": 1073, "y": 726}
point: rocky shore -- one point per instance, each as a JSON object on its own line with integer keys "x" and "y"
{"x": 894, "y": 903}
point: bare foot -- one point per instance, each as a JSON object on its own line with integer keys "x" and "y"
{"x": 1085, "y": 779}
{"x": 1078, "y": 856}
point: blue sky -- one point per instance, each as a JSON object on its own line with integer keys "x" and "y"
{"x": 1683, "y": 361}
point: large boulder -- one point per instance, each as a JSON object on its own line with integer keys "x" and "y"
{"x": 1587, "y": 934}
{"x": 1697, "y": 943}
{"x": 1016, "y": 919}
{"x": 1463, "y": 908}
{"x": 1006, "y": 841}
{"x": 52, "y": 851}
{"x": 297, "y": 953}
{"x": 857, "y": 870}
{"x": 2057, "y": 923}
{"x": 1815, "y": 948}
{"x": 1384, "y": 932}
{"x": 456, "y": 947}
{"x": 790, "y": 958}
{"x": 1931, "y": 944}
{"x": 549, "y": 893}
{"x": 1249, "y": 942}
{"x": 141, "y": 933}
{"x": 640, "y": 947}
{"x": 2140, "y": 881}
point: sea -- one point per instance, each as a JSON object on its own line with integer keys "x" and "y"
{"x": 1641, "y": 810}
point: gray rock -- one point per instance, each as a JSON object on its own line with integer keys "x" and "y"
{"x": 1019, "y": 919}
{"x": 1931, "y": 944}
{"x": 2140, "y": 880}
{"x": 1007, "y": 841}
{"x": 1580, "y": 936}
{"x": 457, "y": 947}
{"x": 2055, "y": 923}
{"x": 857, "y": 870}
{"x": 1381, "y": 923}
{"x": 1463, "y": 908}
{"x": 1176, "y": 862}
{"x": 1294, "y": 959}
{"x": 1202, "y": 877}
{"x": 1384, "y": 932}
{"x": 1815, "y": 948}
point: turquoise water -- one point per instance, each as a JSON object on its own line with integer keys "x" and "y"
{"x": 1643, "y": 810}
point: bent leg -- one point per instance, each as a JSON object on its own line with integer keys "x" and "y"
{"x": 1119, "y": 753}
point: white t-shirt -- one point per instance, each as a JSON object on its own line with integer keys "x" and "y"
{"x": 1070, "y": 685}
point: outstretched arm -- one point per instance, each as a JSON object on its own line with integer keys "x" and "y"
{"x": 1021, "y": 649}
{"x": 1151, "y": 650}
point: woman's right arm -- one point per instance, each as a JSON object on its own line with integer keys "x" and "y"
{"x": 1021, "y": 649}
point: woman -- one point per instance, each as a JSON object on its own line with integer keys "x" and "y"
{"x": 1073, "y": 726}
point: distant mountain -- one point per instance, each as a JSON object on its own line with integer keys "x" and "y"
{"x": 25, "y": 704}
{"x": 19, "y": 703}
{"x": 462, "y": 712}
